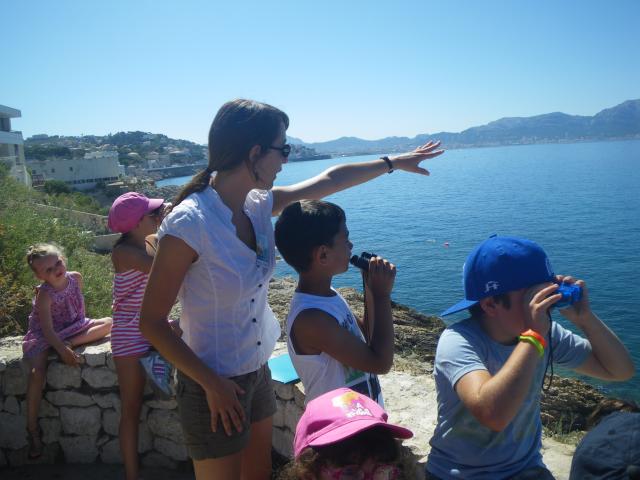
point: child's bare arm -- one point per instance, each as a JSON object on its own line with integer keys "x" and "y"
{"x": 367, "y": 324}
{"x": 315, "y": 331}
{"x": 151, "y": 244}
{"x": 378, "y": 280}
{"x": 127, "y": 257}
{"x": 43, "y": 304}
{"x": 609, "y": 358}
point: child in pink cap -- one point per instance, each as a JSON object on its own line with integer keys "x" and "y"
{"x": 137, "y": 218}
{"x": 344, "y": 435}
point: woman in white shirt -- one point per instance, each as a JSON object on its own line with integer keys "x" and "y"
{"x": 217, "y": 253}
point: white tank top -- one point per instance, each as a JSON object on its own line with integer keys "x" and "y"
{"x": 323, "y": 373}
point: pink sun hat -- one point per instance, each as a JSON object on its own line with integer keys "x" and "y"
{"x": 338, "y": 415}
{"x": 128, "y": 209}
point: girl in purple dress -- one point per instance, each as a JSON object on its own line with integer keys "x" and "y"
{"x": 57, "y": 321}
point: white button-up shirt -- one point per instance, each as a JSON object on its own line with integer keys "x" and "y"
{"x": 226, "y": 319}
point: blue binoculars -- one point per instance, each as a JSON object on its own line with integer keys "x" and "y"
{"x": 571, "y": 293}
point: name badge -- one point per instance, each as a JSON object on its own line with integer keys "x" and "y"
{"x": 262, "y": 251}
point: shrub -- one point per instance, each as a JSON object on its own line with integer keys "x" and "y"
{"x": 53, "y": 187}
{"x": 76, "y": 201}
{"x": 97, "y": 275}
{"x": 15, "y": 305}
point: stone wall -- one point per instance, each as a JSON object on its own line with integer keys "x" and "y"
{"x": 80, "y": 412}
{"x": 290, "y": 403}
{"x": 91, "y": 221}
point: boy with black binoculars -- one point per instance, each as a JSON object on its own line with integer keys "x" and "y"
{"x": 328, "y": 347}
{"x": 489, "y": 368}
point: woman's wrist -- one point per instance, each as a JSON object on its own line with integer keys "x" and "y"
{"x": 388, "y": 164}
{"x": 211, "y": 381}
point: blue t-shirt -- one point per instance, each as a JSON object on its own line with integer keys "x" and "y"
{"x": 461, "y": 447}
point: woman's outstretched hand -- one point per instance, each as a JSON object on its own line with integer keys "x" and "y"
{"x": 410, "y": 162}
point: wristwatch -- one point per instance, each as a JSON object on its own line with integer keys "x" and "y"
{"x": 389, "y": 164}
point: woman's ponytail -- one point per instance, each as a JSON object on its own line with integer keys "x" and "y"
{"x": 199, "y": 182}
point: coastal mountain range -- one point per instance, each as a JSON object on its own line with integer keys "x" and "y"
{"x": 619, "y": 122}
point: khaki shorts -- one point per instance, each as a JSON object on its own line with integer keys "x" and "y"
{"x": 258, "y": 403}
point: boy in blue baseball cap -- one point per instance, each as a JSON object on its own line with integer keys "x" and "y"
{"x": 489, "y": 368}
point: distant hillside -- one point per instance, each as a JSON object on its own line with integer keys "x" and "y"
{"x": 132, "y": 147}
{"x": 621, "y": 121}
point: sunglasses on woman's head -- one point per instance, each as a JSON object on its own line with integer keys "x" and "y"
{"x": 284, "y": 149}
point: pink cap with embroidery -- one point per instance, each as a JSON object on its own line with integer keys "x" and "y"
{"x": 128, "y": 209}
{"x": 338, "y": 415}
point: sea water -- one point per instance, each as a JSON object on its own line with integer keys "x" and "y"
{"x": 580, "y": 201}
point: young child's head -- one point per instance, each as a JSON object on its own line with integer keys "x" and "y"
{"x": 47, "y": 261}
{"x": 133, "y": 210}
{"x": 309, "y": 232}
{"x": 343, "y": 434}
{"x": 499, "y": 267}
{"x": 610, "y": 450}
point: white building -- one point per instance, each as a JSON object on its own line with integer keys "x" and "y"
{"x": 80, "y": 173}
{"x": 12, "y": 146}
{"x": 157, "y": 160}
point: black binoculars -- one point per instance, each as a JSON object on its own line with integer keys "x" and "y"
{"x": 362, "y": 261}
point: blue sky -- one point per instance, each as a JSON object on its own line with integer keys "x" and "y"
{"x": 338, "y": 68}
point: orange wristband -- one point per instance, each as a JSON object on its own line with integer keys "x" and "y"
{"x": 536, "y": 335}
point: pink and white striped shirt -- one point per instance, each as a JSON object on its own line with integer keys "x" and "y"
{"x": 128, "y": 291}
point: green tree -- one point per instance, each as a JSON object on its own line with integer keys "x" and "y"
{"x": 4, "y": 170}
{"x": 41, "y": 152}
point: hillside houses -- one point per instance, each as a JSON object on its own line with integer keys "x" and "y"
{"x": 83, "y": 162}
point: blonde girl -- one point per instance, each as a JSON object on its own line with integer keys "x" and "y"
{"x": 57, "y": 321}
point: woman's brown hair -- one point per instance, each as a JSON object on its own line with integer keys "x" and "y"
{"x": 238, "y": 126}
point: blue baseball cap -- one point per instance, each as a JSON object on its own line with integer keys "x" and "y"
{"x": 500, "y": 265}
